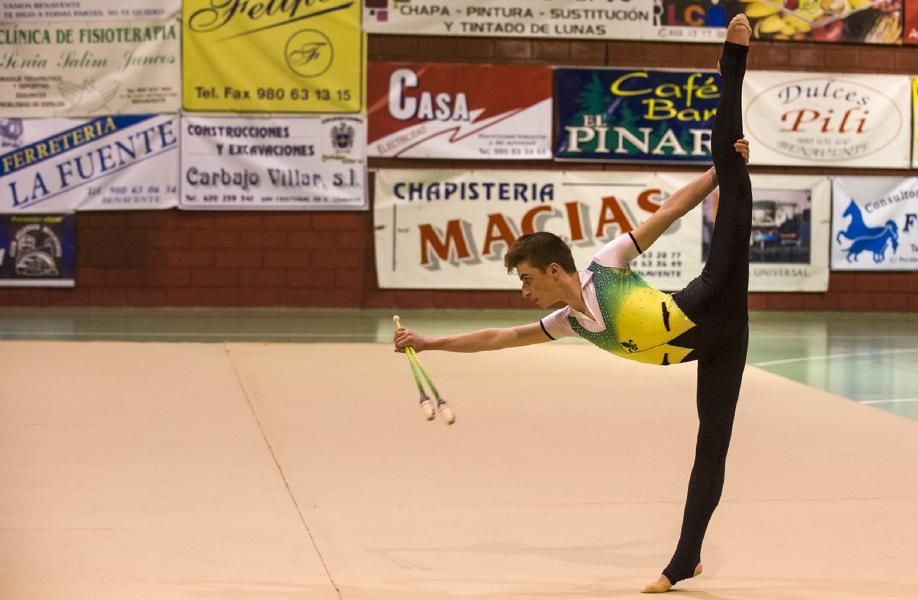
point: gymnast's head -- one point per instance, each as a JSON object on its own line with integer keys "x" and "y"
{"x": 544, "y": 264}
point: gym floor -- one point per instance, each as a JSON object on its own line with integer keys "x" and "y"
{"x": 237, "y": 455}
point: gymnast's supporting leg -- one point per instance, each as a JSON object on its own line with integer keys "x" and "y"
{"x": 717, "y": 302}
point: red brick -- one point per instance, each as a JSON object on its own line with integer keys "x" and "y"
{"x": 300, "y": 297}
{"x": 288, "y": 221}
{"x": 169, "y": 238}
{"x": 379, "y": 299}
{"x": 104, "y": 220}
{"x": 842, "y": 282}
{"x": 238, "y": 258}
{"x": 785, "y": 301}
{"x": 414, "y": 299}
{"x": 262, "y": 239}
{"x": 758, "y": 301}
{"x": 311, "y": 278}
{"x": 844, "y": 58}
{"x": 27, "y": 297}
{"x": 349, "y": 279}
{"x": 196, "y": 220}
{"x": 913, "y": 302}
{"x": 101, "y": 257}
{"x": 557, "y": 51}
{"x": 90, "y": 277}
{"x": 389, "y": 47}
{"x": 476, "y": 48}
{"x": 148, "y": 219}
{"x": 118, "y": 278}
{"x": 815, "y": 302}
{"x": 907, "y": 62}
{"x": 286, "y": 259}
{"x": 147, "y": 297}
{"x": 259, "y": 297}
{"x": 903, "y": 282}
{"x": 856, "y": 301}
{"x": 339, "y": 298}
{"x": 262, "y": 278}
{"x": 215, "y": 239}
{"x": 771, "y": 56}
{"x": 68, "y": 297}
{"x": 813, "y": 57}
{"x": 514, "y": 49}
{"x": 183, "y": 297}
{"x": 339, "y": 259}
{"x": 352, "y": 240}
{"x": 311, "y": 240}
{"x": 215, "y": 277}
{"x": 588, "y": 52}
{"x": 169, "y": 278}
{"x": 890, "y": 302}
{"x": 489, "y": 300}
{"x": 219, "y": 297}
{"x": 878, "y": 60}
{"x": 190, "y": 258}
{"x": 111, "y": 238}
{"x": 517, "y": 301}
{"x": 871, "y": 282}
{"x": 107, "y": 297}
{"x": 625, "y": 53}
{"x": 236, "y": 221}
{"x": 437, "y": 47}
{"x": 144, "y": 256}
{"x": 341, "y": 221}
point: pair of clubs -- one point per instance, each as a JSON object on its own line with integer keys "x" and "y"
{"x": 427, "y": 406}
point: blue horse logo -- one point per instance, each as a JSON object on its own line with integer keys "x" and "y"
{"x": 863, "y": 238}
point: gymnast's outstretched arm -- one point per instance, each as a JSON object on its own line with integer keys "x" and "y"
{"x": 681, "y": 202}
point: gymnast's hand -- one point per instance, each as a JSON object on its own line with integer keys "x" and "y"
{"x": 742, "y": 148}
{"x": 405, "y": 337}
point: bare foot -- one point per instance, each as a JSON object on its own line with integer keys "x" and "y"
{"x": 663, "y": 584}
{"x": 739, "y": 31}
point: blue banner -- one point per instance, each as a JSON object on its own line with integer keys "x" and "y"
{"x": 37, "y": 250}
{"x": 635, "y": 115}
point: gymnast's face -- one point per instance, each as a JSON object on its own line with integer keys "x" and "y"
{"x": 541, "y": 287}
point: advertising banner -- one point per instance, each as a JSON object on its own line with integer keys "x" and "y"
{"x": 37, "y": 250}
{"x": 283, "y": 57}
{"x": 813, "y": 119}
{"x": 875, "y": 224}
{"x": 693, "y": 20}
{"x": 635, "y": 115}
{"x": 107, "y": 163}
{"x": 576, "y": 19}
{"x": 848, "y": 21}
{"x": 85, "y": 69}
{"x": 86, "y": 10}
{"x": 915, "y": 123}
{"x": 789, "y": 245}
{"x": 450, "y": 229}
{"x": 238, "y": 163}
{"x": 910, "y": 27}
{"x": 459, "y": 111}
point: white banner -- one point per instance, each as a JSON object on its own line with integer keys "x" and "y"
{"x": 581, "y": 19}
{"x": 75, "y": 70}
{"x": 241, "y": 163}
{"x": 450, "y": 229}
{"x": 915, "y": 121}
{"x": 108, "y": 163}
{"x": 86, "y": 10}
{"x": 875, "y": 224}
{"x": 800, "y": 119}
{"x": 439, "y": 110}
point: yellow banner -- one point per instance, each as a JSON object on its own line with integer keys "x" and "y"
{"x": 273, "y": 56}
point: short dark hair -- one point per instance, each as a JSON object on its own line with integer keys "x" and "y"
{"x": 540, "y": 249}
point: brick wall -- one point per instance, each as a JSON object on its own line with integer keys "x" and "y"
{"x": 175, "y": 258}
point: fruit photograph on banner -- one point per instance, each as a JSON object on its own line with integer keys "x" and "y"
{"x": 296, "y": 57}
{"x": 849, "y": 21}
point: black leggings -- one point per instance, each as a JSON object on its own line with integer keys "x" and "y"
{"x": 717, "y": 302}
